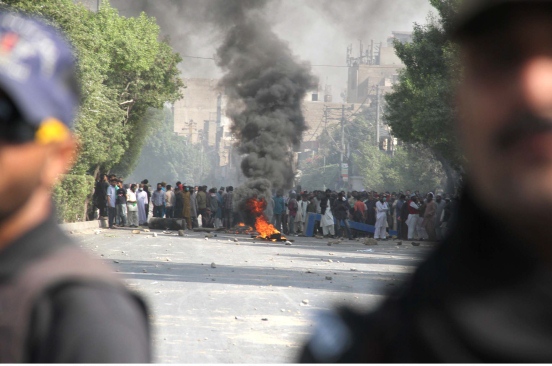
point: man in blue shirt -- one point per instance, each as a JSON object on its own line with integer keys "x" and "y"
{"x": 279, "y": 208}
{"x": 111, "y": 202}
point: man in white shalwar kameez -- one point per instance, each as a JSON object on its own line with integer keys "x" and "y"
{"x": 413, "y": 218}
{"x": 381, "y": 218}
{"x": 327, "y": 221}
{"x": 142, "y": 199}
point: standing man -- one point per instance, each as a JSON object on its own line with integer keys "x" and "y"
{"x": 112, "y": 202}
{"x": 100, "y": 195}
{"x": 413, "y": 218}
{"x": 484, "y": 294}
{"x": 187, "y": 207}
{"x": 193, "y": 207}
{"x": 279, "y": 208}
{"x": 382, "y": 208}
{"x": 228, "y": 207}
{"x": 132, "y": 207}
{"x": 398, "y": 212}
{"x": 429, "y": 217}
{"x": 170, "y": 200}
{"x": 58, "y": 304}
{"x": 327, "y": 221}
{"x": 121, "y": 203}
{"x": 202, "y": 206}
{"x": 142, "y": 200}
{"x": 340, "y": 209}
{"x": 158, "y": 200}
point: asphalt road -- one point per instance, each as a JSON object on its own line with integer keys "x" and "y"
{"x": 256, "y": 303}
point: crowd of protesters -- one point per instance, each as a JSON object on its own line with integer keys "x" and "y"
{"x": 130, "y": 205}
{"x": 411, "y": 215}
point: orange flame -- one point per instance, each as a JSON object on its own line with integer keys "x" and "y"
{"x": 265, "y": 229}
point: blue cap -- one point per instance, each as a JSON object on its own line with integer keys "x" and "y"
{"x": 37, "y": 70}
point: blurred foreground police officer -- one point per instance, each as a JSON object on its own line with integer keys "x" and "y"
{"x": 57, "y": 304}
{"x": 485, "y": 294}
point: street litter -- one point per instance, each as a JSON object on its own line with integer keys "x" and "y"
{"x": 366, "y": 250}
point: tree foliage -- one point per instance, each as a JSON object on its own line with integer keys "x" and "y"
{"x": 409, "y": 167}
{"x": 124, "y": 69}
{"x": 421, "y": 110}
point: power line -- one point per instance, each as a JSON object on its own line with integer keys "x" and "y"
{"x": 211, "y": 58}
{"x": 202, "y": 58}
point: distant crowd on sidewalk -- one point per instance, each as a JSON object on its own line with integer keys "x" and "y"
{"x": 130, "y": 205}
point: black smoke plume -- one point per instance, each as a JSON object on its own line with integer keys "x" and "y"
{"x": 265, "y": 86}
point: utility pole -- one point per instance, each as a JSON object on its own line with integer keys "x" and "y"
{"x": 342, "y": 132}
{"x": 377, "y": 116}
{"x": 98, "y": 6}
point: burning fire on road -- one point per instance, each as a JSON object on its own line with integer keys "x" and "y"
{"x": 266, "y": 230}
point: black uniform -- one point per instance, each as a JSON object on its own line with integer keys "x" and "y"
{"x": 74, "y": 321}
{"x": 481, "y": 296}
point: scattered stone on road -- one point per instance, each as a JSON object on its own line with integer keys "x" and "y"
{"x": 370, "y": 241}
{"x": 416, "y": 244}
{"x": 146, "y": 230}
{"x": 306, "y": 302}
{"x": 329, "y": 278}
{"x": 136, "y": 231}
{"x": 288, "y": 242}
{"x": 353, "y": 269}
{"x": 181, "y": 233}
{"x": 213, "y": 265}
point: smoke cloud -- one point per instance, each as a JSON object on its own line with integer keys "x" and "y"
{"x": 265, "y": 86}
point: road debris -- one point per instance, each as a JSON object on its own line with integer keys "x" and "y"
{"x": 213, "y": 265}
{"x": 370, "y": 241}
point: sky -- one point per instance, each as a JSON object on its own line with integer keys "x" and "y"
{"x": 318, "y": 31}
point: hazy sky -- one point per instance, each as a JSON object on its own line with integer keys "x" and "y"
{"x": 318, "y": 31}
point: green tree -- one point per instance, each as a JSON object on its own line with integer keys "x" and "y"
{"x": 421, "y": 110}
{"x": 124, "y": 70}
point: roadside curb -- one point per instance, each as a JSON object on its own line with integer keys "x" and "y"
{"x": 84, "y": 225}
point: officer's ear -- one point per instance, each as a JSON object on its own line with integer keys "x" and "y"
{"x": 60, "y": 158}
